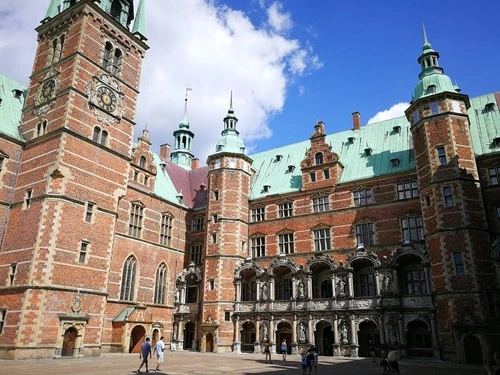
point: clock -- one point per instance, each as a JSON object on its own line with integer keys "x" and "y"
{"x": 106, "y": 99}
{"x": 47, "y": 91}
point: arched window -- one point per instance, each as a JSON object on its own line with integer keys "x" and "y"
{"x": 107, "y": 55}
{"x": 97, "y": 133}
{"x": 60, "y": 48}
{"x": 142, "y": 162}
{"x": 160, "y": 284}
{"x": 104, "y": 137}
{"x": 319, "y": 158}
{"x": 116, "y": 10}
{"x": 128, "y": 279}
{"x": 117, "y": 61}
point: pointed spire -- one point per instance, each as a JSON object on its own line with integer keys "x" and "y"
{"x": 54, "y": 9}
{"x": 139, "y": 29}
{"x": 185, "y": 123}
{"x": 231, "y": 103}
{"x": 426, "y": 45}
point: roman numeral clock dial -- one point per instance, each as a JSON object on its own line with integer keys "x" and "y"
{"x": 106, "y": 99}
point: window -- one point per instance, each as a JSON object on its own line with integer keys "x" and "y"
{"x": 160, "y": 284}
{"x": 112, "y": 59}
{"x": 89, "y": 212}
{"x": 248, "y": 290}
{"x": 195, "y": 254}
{"x": 215, "y": 218}
{"x": 366, "y": 285}
{"x": 416, "y": 116}
{"x": 197, "y": 224}
{"x": 214, "y": 237}
{"x": 365, "y": 234}
{"x": 83, "y": 252}
{"x": 441, "y": 155}
{"x": 313, "y": 176}
{"x": 128, "y": 279}
{"x": 41, "y": 128}
{"x": 211, "y": 284}
{"x": 326, "y": 173}
{"x": 415, "y": 283}
{"x": 283, "y": 289}
{"x": 227, "y": 316}
{"x": 100, "y": 137}
{"x": 142, "y": 162}
{"x": 318, "y": 158}
{"x": 408, "y": 189}
{"x": 192, "y": 294}
{"x": 362, "y": 197}
{"x": 166, "y": 229}
{"x": 431, "y": 89}
{"x": 116, "y": 10}
{"x": 97, "y": 132}
{"x": 3, "y": 313}
{"x": 489, "y": 107}
{"x": 459, "y": 263}
{"x": 493, "y": 299}
{"x": 321, "y": 204}
{"x": 57, "y": 48}
{"x": 258, "y": 214}
{"x": 1, "y": 163}
{"x": 434, "y": 108}
{"x": 135, "y": 222}
{"x": 447, "y": 196}
{"x": 322, "y": 240}
{"x": 216, "y": 195}
{"x": 12, "y": 273}
{"x": 258, "y": 247}
{"x": 394, "y": 163}
{"x": 285, "y": 209}
{"x": 108, "y": 47}
{"x": 117, "y": 61}
{"x": 146, "y": 180}
{"x": 494, "y": 174}
{"x": 136, "y": 175}
{"x": 413, "y": 228}
{"x": 285, "y": 241}
{"x": 27, "y": 198}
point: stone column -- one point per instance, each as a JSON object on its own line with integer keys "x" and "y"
{"x": 334, "y": 286}
{"x": 195, "y": 341}
{"x": 180, "y": 335}
{"x": 309, "y": 287}
{"x": 435, "y": 340}
{"x": 310, "y": 329}
{"x": 183, "y": 293}
{"x": 354, "y": 339}
{"x": 256, "y": 344}
{"x": 258, "y": 291}
{"x": 377, "y": 283}
{"x": 294, "y": 287}
{"x": 272, "y": 336}
{"x": 402, "y": 338}
{"x": 238, "y": 290}
{"x": 350, "y": 284}
{"x": 427, "y": 278}
{"x": 335, "y": 330}
{"x": 271, "y": 289}
{"x": 395, "y": 282}
{"x": 237, "y": 334}
{"x": 294, "y": 330}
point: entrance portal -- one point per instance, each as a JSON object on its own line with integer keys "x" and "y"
{"x": 368, "y": 339}
{"x": 210, "y": 342}
{"x": 69, "y": 340}
{"x": 472, "y": 349}
{"x": 136, "y": 339}
{"x": 189, "y": 335}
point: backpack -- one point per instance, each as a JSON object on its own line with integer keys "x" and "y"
{"x": 310, "y": 359}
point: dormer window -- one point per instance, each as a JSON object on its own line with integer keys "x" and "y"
{"x": 431, "y": 89}
{"x": 350, "y": 139}
{"x": 496, "y": 142}
{"x": 318, "y": 158}
{"x": 267, "y": 188}
{"x": 291, "y": 168}
{"x": 396, "y": 129}
{"x": 490, "y": 107}
{"x": 142, "y": 162}
{"x": 368, "y": 151}
{"x": 279, "y": 157}
{"x": 17, "y": 93}
{"x": 116, "y": 10}
{"x": 395, "y": 163}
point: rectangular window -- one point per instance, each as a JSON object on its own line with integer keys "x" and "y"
{"x": 286, "y": 243}
{"x": 192, "y": 294}
{"x": 441, "y": 155}
{"x": 12, "y": 273}
{"x": 367, "y": 285}
{"x": 227, "y": 316}
{"x": 136, "y": 176}
{"x": 362, "y": 197}
{"x": 447, "y": 196}
{"x": 322, "y": 240}
{"x": 3, "y": 314}
{"x": 459, "y": 263}
{"x": 214, "y": 237}
{"x": 135, "y": 222}
{"x": 258, "y": 214}
{"x": 211, "y": 284}
{"x": 327, "y": 174}
{"x": 494, "y": 174}
{"x": 413, "y": 228}
{"x": 195, "y": 254}
{"x": 313, "y": 176}
{"x": 89, "y": 212}
{"x": 408, "y": 190}
{"x": 283, "y": 289}
{"x": 415, "y": 283}
{"x": 321, "y": 204}
{"x": 216, "y": 195}
{"x": 493, "y": 303}
{"x": 258, "y": 247}
{"x": 434, "y": 108}
{"x": 215, "y": 218}
{"x": 83, "y": 252}
{"x": 146, "y": 179}
{"x": 1, "y": 163}
{"x": 365, "y": 234}
{"x": 285, "y": 210}
{"x": 197, "y": 224}
{"x": 27, "y": 198}
{"x": 166, "y": 230}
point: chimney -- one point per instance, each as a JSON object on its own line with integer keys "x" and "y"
{"x": 356, "y": 121}
{"x": 195, "y": 163}
{"x": 165, "y": 152}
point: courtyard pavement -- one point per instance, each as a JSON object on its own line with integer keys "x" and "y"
{"x": 179, "y": 363}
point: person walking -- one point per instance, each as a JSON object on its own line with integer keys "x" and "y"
{"x": 159, "y": 350}
{"x": 489, "y": 367}
{"x": 267, "y": 352}
{"x": 284, "y": 349}
{"x": 304, "y": 363}
{"x": 145, "y": 353}
{"x": 390, "y": 365}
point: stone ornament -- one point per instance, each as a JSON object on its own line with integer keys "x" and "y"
{"x": 106, "y": 99}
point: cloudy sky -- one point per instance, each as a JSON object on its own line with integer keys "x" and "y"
{"x": 289, "y": 63}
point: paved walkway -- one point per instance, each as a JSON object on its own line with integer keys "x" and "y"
{"x": 180, "y": 363}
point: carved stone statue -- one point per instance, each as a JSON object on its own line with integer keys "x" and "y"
{"x": 392, "y": 333}
{"x": 344, "y": 333}
{"x": 387, "y": 283}
{"x": 265, "y": 291}
{"x": 341, "y": 287}
{"x": 300, "y": 290}
{"x": 302, "y": 332}
{"x": 264, "y": 332}
{"x": 174, "y": 333}
{"x": 177, "y": 295}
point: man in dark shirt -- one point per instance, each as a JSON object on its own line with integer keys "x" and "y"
{"x": 390, "y": 364}
{"x": 145, "y": 353}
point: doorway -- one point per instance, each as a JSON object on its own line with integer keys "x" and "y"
{"x": 136, "y": 338}
{"x": 210, "y": 342}
{"x": 189, "y": 335}
{"x": 69, "y": 340}
{"x": 472, "y": 349}
{"x": 368, "y": 339}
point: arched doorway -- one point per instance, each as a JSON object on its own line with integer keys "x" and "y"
{"x": 155, "y": 337}
{"x": 189, "y": 335}
{"x": 368, "y": 338}
{"x": 247, "y": 337}
{"x": 136, "y": 339}
{"x": 284, "y": 332}
{"x": 419, "y": 339}
{"x": 472, "y": 349}
{"x": 69, "y": 340}
{"x": 210, "y": 342}
{"x": 323, "y": 338}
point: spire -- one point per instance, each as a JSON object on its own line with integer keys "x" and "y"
{"x": 230, "y": 140}
{"x": 139, "y": 29}
{"x": 185, "y": 123}
{"x": 54, "y": 9}
{"x": 145, "y": 135}
{"x": 230, "y": 120}
{"x": 426, "y": 45}
{"x": 182, "y": 155}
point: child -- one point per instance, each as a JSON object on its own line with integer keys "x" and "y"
{"x": 304, "y": 363}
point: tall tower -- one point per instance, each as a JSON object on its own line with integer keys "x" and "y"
{"x": 78, "y": 123}
{"x": 456, "y": 230}
{"x": 182, "y": 155}
{"x": 227, "y": 232}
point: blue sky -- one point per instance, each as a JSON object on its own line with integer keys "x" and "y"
{"x": 289, "y": 63}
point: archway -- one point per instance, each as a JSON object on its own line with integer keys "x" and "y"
{"x": 247, "y": 337}
{"x": 368, "y": 338}
{"x": 210, "y": 342}
{"x": 69, "y": 340}
{"x": 323, "y": 338}
{"x": 189, "y": 335}
{"x": 155, "y": 337}
{"x": 284, "y": 332}
{"x": 136, "y": 339}
{"x": 419, "y": 339}
{"x": 472, "y": 349}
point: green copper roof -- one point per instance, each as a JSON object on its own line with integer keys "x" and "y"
{"x": 12, "y": 95}
{"x": 230, "y": 140}
{"x": 140, "y": 19}
{"x": 164, "y": 187}
{"x": 484, "y": 123}
{"x": 54, "y": 9}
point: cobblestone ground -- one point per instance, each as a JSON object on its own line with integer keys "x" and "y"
{"x": 194, "y": 363}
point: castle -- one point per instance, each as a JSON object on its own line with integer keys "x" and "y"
{"x": 380, "y": 237}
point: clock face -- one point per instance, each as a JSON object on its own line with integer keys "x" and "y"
{"x": 48, "y": 89}
{"x": 106, "y": 98}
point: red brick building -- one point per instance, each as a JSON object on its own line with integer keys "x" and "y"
{"x": 382, "y": 236}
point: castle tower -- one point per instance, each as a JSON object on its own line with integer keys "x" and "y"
{"x": 78, "y": 123}
{"x": 227, "y": 233}
{"x": 456, "y": 230}
{"x": 183, "y": 138}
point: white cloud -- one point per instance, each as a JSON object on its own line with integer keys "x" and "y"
{"x": 210, "y": 47}
{"x": 397, "y": 110}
